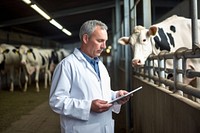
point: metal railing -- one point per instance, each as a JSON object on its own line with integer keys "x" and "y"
{"x": 155, "y": 70}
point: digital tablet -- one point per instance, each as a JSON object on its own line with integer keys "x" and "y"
{"x": 128, "y": 94}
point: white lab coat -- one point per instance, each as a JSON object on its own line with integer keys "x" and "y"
{"x": 74, "y": 85}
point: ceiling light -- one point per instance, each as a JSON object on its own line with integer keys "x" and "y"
{"x": 52, "y": 21}
{"x": 27, "y": 1}
{"x": 67, "y": 32}
{"x": 56, "y": 24}
{"x": 36, "y": 8}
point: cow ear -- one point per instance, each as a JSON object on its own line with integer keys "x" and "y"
{"x": 30, "y": 50}
{"x": 123, "y": 40}
{"x": 152, "y": 30}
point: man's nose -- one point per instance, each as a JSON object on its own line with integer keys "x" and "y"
{"x": 103, "y": 45}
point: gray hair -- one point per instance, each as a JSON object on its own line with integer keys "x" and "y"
{"x": 89, "y": 26}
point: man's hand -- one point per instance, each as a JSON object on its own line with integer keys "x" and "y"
{"x": 100, "y": 106}
{"x": 123, "y": 100}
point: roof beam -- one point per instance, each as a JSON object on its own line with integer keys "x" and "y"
{"x": 58, "y": 14}
{"x": 164, "y": 3}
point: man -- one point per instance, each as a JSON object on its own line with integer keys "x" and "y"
{"x": 80, "y": 90}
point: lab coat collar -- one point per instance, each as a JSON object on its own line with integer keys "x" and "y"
{"x": 78, "y": 54}
{"x": 83, "y": 56}
{"x": 80, "y": 57}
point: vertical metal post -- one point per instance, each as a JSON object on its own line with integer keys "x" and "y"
{"x": 115, "y": 51}
{"x": 195, "y": 39}
{"x": 127, "y": 58}
{"x": 194, "y": 14}
{"x": 133, "y": 14}
{"x": 161, "y": 65}
{"x": 150, "y": 69}
{"x": 179, "y": 75}
{"x": 147, "y": 13}
{"x": 127, "y": 33}
{"x": 133, "y": 22}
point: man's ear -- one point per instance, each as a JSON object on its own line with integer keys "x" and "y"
{"x": 85, "y": 38}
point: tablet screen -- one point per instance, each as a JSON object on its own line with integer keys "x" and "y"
{"x": 128, "y": 94}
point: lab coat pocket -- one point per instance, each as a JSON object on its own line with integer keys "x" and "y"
{"x": 92, "y": 128}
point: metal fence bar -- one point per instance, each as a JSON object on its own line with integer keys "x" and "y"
{"x": 158, "y": 73}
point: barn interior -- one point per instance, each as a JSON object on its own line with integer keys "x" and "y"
{"x": 21, "y": 24}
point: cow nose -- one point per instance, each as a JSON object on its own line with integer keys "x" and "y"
{"x": 136, "y": 62}
{"x": 22, "y": 62}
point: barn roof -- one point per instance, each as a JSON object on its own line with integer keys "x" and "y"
{"x": 16, "y": 16}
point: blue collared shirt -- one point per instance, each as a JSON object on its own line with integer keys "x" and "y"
{"x": 94, "y": 62}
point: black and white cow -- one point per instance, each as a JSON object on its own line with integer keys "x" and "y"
{"x": 62, "y": 53}
{"x": 171, "y": 34}
{"x": 35, "y": 60}
{"x": 57, "y": 56}
{"x": 10, "y": 63}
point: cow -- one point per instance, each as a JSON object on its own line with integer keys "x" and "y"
{"x": 10, "y": 63}
{"x": 57, "y": 56}
{"x": 168, "y": 35}
{"x": 34, "y": 60}
{"x": 62, "y": 53}
{"x": 49, "y": 53}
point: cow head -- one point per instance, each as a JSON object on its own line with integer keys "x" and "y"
{"x": 149, "y": 41}
{"x": 23, "y": 52}
{"x": 9, "y": 54}
{"x": 140, "y": 42}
